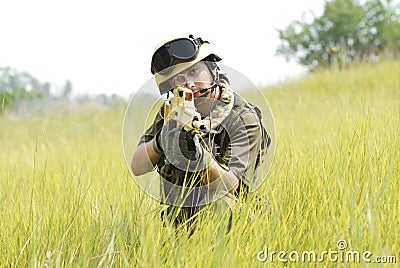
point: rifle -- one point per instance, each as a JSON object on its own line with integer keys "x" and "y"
{"x": 180, "y": 107}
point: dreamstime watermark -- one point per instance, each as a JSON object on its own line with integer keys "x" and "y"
{"x": 340, "y": 254}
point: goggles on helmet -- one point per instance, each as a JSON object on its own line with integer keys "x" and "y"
{"x": 173, "y": 52}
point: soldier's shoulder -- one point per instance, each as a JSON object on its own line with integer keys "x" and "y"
{"x": 242, "y": 107}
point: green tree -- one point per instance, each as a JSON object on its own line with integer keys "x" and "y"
{"x": 346, "y": 32}
{"x": 15, "y": 86}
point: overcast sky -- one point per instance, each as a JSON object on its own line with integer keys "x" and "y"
{"x": 106, "y": 46}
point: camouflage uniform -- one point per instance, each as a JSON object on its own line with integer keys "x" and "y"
{"x": 237, "y": 138}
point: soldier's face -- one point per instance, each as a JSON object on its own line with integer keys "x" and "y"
{"x": 196, "y": 77}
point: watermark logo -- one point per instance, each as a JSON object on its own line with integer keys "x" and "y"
{"x": 340, "y": 254}
{"x": 341, "y": 244}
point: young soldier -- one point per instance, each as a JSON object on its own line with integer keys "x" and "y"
{"x": 216, "y": 163}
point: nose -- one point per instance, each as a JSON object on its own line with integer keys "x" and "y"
{"x": 190, "y": 85}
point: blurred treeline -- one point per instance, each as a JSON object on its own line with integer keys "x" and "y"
{"x": 347, "y": 32}
{"x": 24, "y": 94}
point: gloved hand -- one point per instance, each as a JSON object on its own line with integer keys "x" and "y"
{"x": 183, "y": 149}
{"x": 157, "y": 143}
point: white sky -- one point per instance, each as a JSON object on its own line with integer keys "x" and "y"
{"x": 106, "y": 46}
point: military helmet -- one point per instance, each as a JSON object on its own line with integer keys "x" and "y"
{"x": 175, "y": 55}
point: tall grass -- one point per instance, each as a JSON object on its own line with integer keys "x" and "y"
{"x": 67, "y": 197}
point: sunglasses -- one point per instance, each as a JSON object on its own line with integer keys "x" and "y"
{"x": 174, "y": 52}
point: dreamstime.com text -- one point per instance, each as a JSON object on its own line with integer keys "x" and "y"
{"x": 340, "y": 254}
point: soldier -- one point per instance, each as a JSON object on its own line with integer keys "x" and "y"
{"x": 216, "y": 164}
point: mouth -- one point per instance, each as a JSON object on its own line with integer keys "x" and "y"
{"x": 196, "y": 94}
{"x": 199, "y": 93}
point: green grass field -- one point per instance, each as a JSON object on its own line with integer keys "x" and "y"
{"x": 67, "y": 197}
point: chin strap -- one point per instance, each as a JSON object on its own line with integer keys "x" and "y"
{"x": 214, "y": 70}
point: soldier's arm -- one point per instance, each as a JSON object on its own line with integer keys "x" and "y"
{"x": 144, "y": 159}
{"x": 228, "y": 181}
{"x": 245, "y": 142}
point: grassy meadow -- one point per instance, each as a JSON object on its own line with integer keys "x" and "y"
{"x": 67, "y": 198}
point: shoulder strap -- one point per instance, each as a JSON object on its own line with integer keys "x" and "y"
{"x": 266, "y": 139}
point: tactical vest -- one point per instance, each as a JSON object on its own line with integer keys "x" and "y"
{"x": 220, "y": 147}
